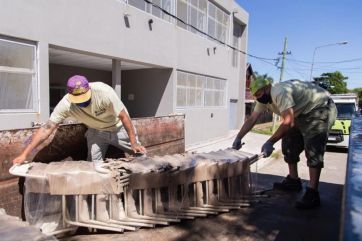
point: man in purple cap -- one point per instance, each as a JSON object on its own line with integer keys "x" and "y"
{"x": 97, "y": 106}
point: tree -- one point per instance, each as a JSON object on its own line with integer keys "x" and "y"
{"x": 358, "y": 91}
{"x": 334, "y": 82}
{"x": 263, "y": 76}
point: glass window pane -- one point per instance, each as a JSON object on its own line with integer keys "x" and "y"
{"x": 217, "y": 84}
{"x": 181, "y": 78}
{"x": 203, "y": 5}
{"x": 191, "y": 97}
{"x": 16, "y": 55}
{"x": 224, "y": 34}
{"x": 212, "y": 10}
{"x": 226, "y": 19}
{"x": 194, "y": 3}
{"x": 201, "y": 21}
{"x": 222, "y": 84}
{"x": 198, "y": 98}
{"x": 193, "y": 19}
{"x": 156, "y": 11}
{"x": 209, "y": 98}
{"x": 211, "y": 28}
{"x": 222, "y": 99}
{"x": 16, "y": 91}
{"x": 217, "y": 98}
{"x": 200, "y": 82}
{"x": 181, "y": 97}
{"x": 210, "y": 83}
{"x": 182, "y": 13}
{"x": 191, "y": 81}
{"x": 219, "y": 15}
{"x": 167, "y": 5}
{"x": 138, "y": 4}
{"x": 219, "y": 31}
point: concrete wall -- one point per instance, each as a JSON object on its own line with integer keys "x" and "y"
{"x": 59, "y": 74}
{"x": 151, "y": 89}
{"x": 99, "y": 28}
{"x": 204, "y": 124}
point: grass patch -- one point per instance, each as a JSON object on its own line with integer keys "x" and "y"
{"x": 265, "y": 128}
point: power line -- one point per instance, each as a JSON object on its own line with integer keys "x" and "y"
{"x": 206, "y": 34}
{"x": 303, "y": 75}
{"x": 337, "y": 68}
{"x": 335, "y": 62}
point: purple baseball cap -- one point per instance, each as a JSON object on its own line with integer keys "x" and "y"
{"x": 78, "y": 89}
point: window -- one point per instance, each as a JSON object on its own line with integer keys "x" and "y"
{"x": 140, "y": 4}
{"x": 182, "y": 13}
{"x": 345, "y": 110}
{"x": 218, "y": 23}
{"x": 192, "y": 12}
{"x": 200, "y": 14}
{"x": 199, "y": 91}
{"x": 237, "y": 33}
{"x": 215, "y": 92}
{"x": 18, "y": 76}
{"x": 164, "y": 4}
{"x": 189, "y": 89}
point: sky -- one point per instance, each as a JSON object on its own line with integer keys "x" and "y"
{"x": 307, "y": 24}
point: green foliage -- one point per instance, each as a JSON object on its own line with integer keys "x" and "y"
{"x": 265, "y": 128}
{"x": 334, "y": 82}
{"x": 358, "y": 91}
{"x": 263, "y": 76}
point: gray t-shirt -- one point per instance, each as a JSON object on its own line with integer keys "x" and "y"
{"x": 101, "y": 114}
{"x": 302, "y": 96}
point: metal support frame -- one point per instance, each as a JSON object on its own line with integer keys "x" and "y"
{"x": 195, "y": 200}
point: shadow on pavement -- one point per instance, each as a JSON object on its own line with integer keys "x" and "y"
{"x": 337, "y": 149}
{"x": 272, "y": 218}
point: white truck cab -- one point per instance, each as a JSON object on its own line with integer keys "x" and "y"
{"x": 347, "y": 105}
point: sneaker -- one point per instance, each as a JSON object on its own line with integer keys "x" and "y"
{"x": 289, "y": 185}
{"x": 309, "y": 200}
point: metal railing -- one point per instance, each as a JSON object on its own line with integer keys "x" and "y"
{"x": 351, "y": 221}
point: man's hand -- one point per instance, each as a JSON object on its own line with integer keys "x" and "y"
{"x": 20, "y": 159}
{"x": 138, "y": 149}
{"x": 38, "y": 138}
{"x": 267, "y": 148}
{"x": 237, "y": 143}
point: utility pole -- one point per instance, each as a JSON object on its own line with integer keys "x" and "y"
{"x": 284, "y": 53}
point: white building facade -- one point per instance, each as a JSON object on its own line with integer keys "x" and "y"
{"x": 177, "y": 59}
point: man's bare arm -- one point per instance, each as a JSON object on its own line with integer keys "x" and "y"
{"x": 287, "y": 123}
{"x": 248, "y": 124}
{"x": 38, "y": 138}
{"x": 127, "y": 123}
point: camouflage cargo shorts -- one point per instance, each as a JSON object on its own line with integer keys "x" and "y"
{"x": 310, "y": 133}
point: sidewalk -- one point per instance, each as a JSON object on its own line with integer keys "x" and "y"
{"x": 253, "y": 143}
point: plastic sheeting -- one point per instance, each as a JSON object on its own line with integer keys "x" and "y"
{"x": 42, "y": 210}
{"x": 67, "y": 193}
{"x": 13, "y": 229}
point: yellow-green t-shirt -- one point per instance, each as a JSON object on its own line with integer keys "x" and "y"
{"x": 101, "y": 114}
{"x": 302, "y": 96}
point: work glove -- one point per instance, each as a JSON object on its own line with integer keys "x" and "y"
{"x": 237, "y": 143}
{"x": 101, "y": 167}
{"x": 267, "y": 149}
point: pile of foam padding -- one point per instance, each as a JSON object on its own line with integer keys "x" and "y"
{"x": 136, "y": 193}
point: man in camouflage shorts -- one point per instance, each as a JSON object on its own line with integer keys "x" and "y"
{"x": 307, "y": 114}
